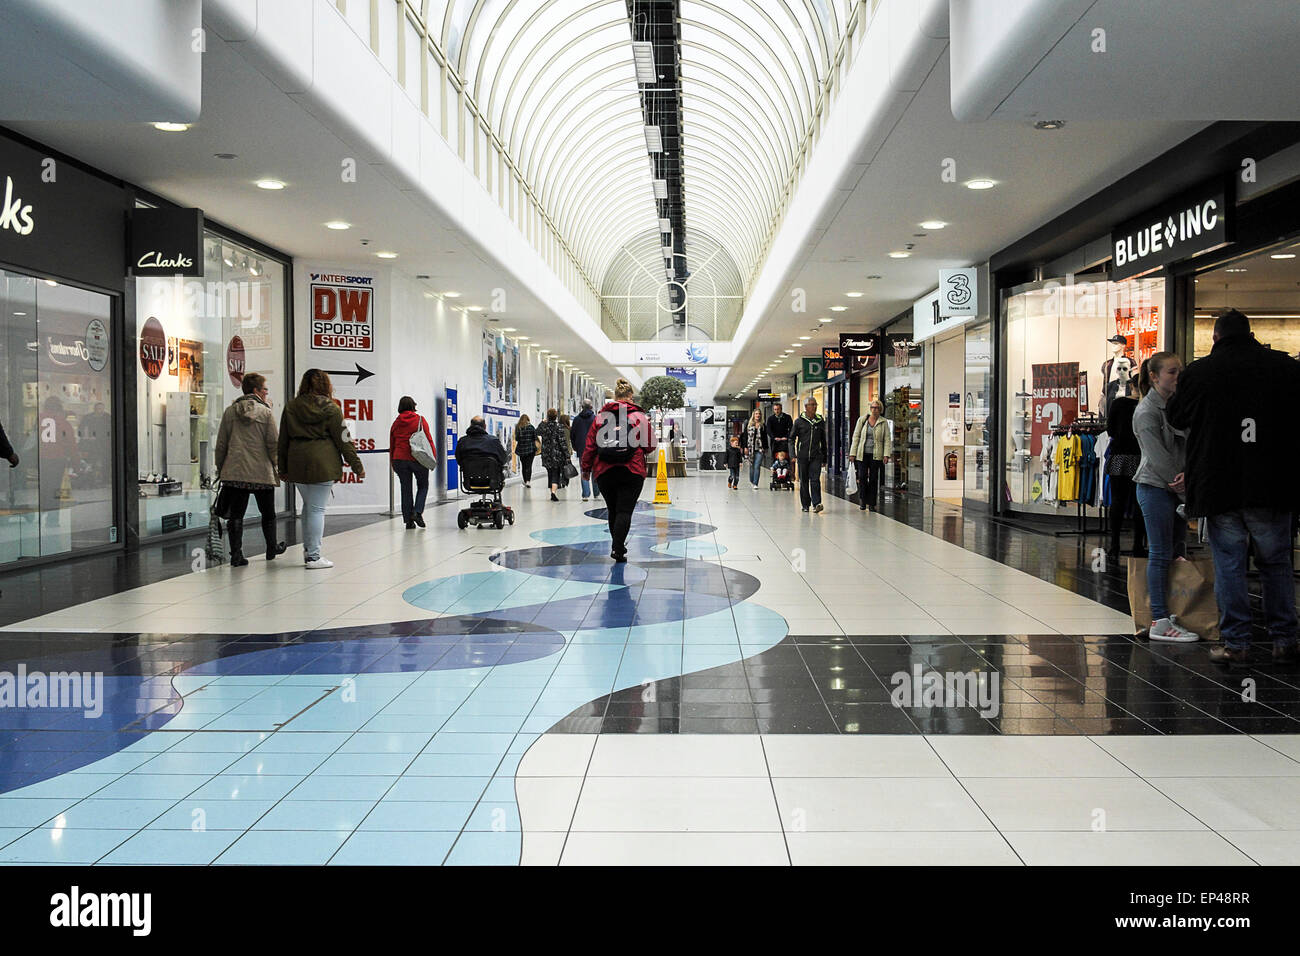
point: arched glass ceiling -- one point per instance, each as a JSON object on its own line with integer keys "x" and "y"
{"x": 556, "y": 83}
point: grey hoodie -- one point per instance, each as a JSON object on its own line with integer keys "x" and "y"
{"x": 1164, "y": 448}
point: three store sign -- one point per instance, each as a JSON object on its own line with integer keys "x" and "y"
{"x": 1192, "y": 224}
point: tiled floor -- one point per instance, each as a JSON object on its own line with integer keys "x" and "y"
{"x": 755, "y": 685}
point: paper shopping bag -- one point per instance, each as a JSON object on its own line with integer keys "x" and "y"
{"x": 1191, "y": 596}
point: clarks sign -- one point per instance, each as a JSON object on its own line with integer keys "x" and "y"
{"x": 166, "y": 242}
{"x": 1177, "y": 230}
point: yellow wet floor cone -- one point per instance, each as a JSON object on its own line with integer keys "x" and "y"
{"x": 661, "y": 480}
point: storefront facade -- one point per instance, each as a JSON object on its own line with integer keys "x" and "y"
{"x": 108, "y": 313}
{"x": 62, "y": 287}
{"x": 1153, "y": 258}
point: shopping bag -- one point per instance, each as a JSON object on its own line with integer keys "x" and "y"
{"x": 215, "y": 553}
{"x": 851, "y": 481}
{"x": 220, "y": 507}
{"x": 1191, "y": 596}
{"x": 421, "y": 450}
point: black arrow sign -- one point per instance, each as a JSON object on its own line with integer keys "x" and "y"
{"x": 361, "y": 374}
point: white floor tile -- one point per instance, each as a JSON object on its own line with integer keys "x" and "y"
{"x": 678, "y": 755}
{"x": 1208, "y": 755}
{"x": 851, "y": 755}
{"x": 1077, "y": 803}
{"x": 713, "y": 804}
{"x": 900, "y": 848}
{"x": 675, "y": 849}
{"x": 1117, "y": 848}
{"x": 996, "y": 755}
{"x": 810, "y": 804}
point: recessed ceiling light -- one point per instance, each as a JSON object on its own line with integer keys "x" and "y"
{"x": 269, "y": 184}
{"x": 507, "y": 329}
{"x": 171, "y": 127}
{"x": 1234, "y": 270}
{"x": 980, "y": 184}
{"x": 900, "y": 255}
{"x": 933, "y": 224}
{"x": 386, "y": 255}
{"x": 805, "y": 337}
{"x": 338, "y": 224}
{"x": 51, "y": 282}
{"x": 474, "y": 308}
{"x": 854, "y": 295}
{"x": 1049, "y": 124}
{"x": 226, "y": 155}
{"x": 452, "y": 295}
{"x": 1282, "y": 255}
{"x": 523, "y": 338}
{"x": 875, "y": 277}
{"x": 545, "y": 351}
{"x": 826, "y": 318}
{"x": 839, "y": 308}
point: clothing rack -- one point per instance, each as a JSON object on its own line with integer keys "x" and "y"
{"x": 1088, "y": 424}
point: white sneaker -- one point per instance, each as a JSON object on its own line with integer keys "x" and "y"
{"x": 319, "y": 563}
{"x": 584, "y": 499}
{"x": 1168, "y": 629}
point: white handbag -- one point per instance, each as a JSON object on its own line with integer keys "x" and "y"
{"x": 421, "y": 449}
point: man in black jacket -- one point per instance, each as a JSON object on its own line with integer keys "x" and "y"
{"x": 477, "y": 443}
{"x": 1237, "y": 405}
{"x": 578, "y": 438}
{"x": 810, "y": 455}
{"x": 779, "y": 427}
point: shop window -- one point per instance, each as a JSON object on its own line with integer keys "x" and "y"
{"x": 1072, "y": 346}
{"x": 57, "y": 409}
{"x": 975, "y": 408}
{"x": 1265, "y": 286}
{"x": 904, "y": 364}
{"x": 209, "y": 331}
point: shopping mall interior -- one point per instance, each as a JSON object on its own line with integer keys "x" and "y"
{"x": 907, "y": 548}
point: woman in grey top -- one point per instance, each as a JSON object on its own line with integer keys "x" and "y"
{"x": 1159, "y": 481}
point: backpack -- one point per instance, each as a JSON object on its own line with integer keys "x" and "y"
{"x": 614, "y": 439}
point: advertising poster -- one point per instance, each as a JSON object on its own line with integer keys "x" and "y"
{"x": 1056, "y": 399}
{"x": 343, "y": 338}
{"x": 1141, "y": 327}
{"x": 453, "y": 431}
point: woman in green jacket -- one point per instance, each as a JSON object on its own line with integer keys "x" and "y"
{"x": 311, "y": 455}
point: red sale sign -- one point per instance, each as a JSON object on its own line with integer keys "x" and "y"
{"x": 342, "y": 313}
{"x": 1056, "y": 398}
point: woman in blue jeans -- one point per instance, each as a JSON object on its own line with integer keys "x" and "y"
{"x": 1159, "y": 484}
{"x": 754, "y": 441}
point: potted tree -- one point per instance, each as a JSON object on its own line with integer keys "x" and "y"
{"x": 660, "y": 393}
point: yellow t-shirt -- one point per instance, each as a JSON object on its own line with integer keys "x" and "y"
{"x": 1067, "y": 467}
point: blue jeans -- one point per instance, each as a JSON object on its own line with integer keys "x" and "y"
{"x": 1230, "y": 536}
{"x": 407, "y": 472}
{"x": 1166, "y": 539}
{"x": 314, "y": 499}
{"x": 586, "y": 487}
{"x": 755, "y": 468}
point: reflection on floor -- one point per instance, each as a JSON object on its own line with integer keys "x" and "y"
{"x": 935, "y": 705}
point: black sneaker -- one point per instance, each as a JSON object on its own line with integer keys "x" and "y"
{"x": 819, "y": 509}
{"x": 419, "y": 521}
{"x": 805, "y": 510}
{"x": 410, "y": 526}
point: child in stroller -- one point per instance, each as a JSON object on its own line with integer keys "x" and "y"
{"x": 781, "y": 473}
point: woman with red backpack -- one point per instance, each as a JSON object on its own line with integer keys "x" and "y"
{"x": 615, "y": 455}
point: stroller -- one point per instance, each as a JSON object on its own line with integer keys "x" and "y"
{"x": 781, "y": 475}
{"x": 483, "y": 477}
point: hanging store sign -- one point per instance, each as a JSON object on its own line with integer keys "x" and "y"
{"x": 1194, "y": 223}
{"x": 832, "y": 360}
{"x": 166, "y": 242}
{"x": 814, "y": 370}
{"x": 672, "y": 353}
{"x": 687, "y": 376}
{"x": 957, "y": 298}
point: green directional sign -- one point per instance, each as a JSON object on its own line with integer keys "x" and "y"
{"x": 814, "y": 370}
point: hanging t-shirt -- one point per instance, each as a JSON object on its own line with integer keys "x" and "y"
{"x": 1067, "y": 466}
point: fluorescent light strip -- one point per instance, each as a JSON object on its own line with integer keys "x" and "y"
{"x": 653, "y": 140}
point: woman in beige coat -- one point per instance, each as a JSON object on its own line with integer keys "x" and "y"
{"x": 246, "y": 462}
{"x": 871, "y": 447}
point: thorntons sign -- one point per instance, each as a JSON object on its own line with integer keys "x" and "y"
{"x": 1178, "y": 230}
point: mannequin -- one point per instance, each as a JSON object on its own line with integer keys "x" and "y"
{"x": 1123, "y": 370}
{"x": 1109, "y": 374}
